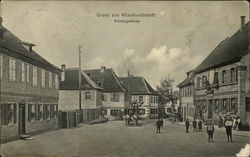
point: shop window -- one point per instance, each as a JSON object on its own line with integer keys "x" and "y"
{"x": 9, "y": 114}
{"x": 40, "y": 112}
{"x": 31, "y": 112}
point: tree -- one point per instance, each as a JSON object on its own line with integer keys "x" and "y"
{"x": 166, "y": 94}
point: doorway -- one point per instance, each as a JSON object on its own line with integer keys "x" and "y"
{"x": 21, "y": 119}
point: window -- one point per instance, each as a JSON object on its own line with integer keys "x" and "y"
{"x": 233, "y": 75}
{"x": 247, "y": 104}
{"x": 198, "y": 82}
{"x": 56, "y": 81}
{"x": 22, "y": 72}
{"x": 34, "y": 80}
{"x": 104, "y": 97}
{"x": 216, "y": 105}
{"x": 153, "y": 111}
{"x": 141, "y": 111}
{"x": 40, "y": 112}
{"x": 115, "y": 112}
{"x": 1, "y": 114}
{"x": 31, "y": 112}
{"x": 27, "y": 73}
{"x": 9, "y": 113}
{"x": 43, "y": 78}
{"x": 216, "y": 77}
{"x": 50, "y": 80}
{"x": 234, "y": 104}
{"x": 12, "y": 69}
{"x": 224, "y": 76}
{"x": 140, "y": 98}
{"x": 87, "y": 95}
{"x": 114, "y": 97}
{"x": 1, "y": 68}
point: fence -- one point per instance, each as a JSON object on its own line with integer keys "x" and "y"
{"x": 70, "y": 119}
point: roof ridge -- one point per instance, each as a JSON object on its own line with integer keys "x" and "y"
{"x": 90, "y": 81}
{"x": 116, "y": 77}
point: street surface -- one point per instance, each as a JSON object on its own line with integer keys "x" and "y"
{"x": 113, "y": 139}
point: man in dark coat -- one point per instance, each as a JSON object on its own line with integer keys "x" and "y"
{"x": 158, "y": 126}
{"x": 187, "y": 125}
{"x": 194, "y": 126}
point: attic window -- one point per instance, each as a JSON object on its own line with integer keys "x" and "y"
{"x": 27, "y": 46}
{"x": 100, "y": 84}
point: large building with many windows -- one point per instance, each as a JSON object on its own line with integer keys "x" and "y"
{"x": 141, "y": 92}
{"x": 28, "y": 89}
{"x": 222, "y": 80}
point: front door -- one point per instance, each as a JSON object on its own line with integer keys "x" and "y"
{"x": 21, "y": 119}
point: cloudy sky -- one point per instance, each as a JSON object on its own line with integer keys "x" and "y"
{"x": 173, "y": 42}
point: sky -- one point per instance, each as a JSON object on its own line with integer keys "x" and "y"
{"x": 173, "y": 42}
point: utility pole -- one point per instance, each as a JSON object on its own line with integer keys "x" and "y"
{"x": 80, "y": 83}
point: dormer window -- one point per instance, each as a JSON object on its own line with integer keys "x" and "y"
{"x": 27, "y": 46}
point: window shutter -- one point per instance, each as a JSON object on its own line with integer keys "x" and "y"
{"x": 220, "y": 77}
{"x": 6, "y": 120}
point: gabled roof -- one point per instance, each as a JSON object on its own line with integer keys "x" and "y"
{"x": 71, "y": 81}
{"x": 108, "y": 79}
{"x": 137, "y": 86}
{"x": 14, "y": 47}
{"x": 228, "y": 51}
{"x": 188, "y": 80}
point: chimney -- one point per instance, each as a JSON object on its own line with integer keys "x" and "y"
{"x": 103, "y": 68}
{"x": 1, "y": 27}
{"x": 243, "y": 23}
{"x": 63, "y": 67}
{"x": 63, "y": 72}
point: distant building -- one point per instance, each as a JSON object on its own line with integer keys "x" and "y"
{"x": 140, "y": 91}
{"x": 222, "y": 80}
{"x": 91, "y": 94}
{"x": 115, "y": 95}
{"x": 29, "y": 89}
{"x": 186, "y": 92}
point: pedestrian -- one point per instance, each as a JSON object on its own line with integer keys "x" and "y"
{"x": 194, "y": 126}
{"x": 187, "y": 125}
{"x": 220, "y": 122}
{"x": 158, "y": 126}
{"x": 239, "y": 123}
{"x": 200, "y": 125}
{"x": 235, "y": 123}
{"x": 228, "y": 126}
{"x": 210, "y": 131}
{"x": 162, "y": 122}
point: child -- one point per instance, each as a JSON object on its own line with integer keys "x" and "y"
{"x": 210, "y": 130}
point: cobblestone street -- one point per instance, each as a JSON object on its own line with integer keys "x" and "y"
{"x": 115, "y": 139}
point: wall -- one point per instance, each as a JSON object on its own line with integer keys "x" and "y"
{"x": 69, "y": 100}
{"x": 110, "y": 104}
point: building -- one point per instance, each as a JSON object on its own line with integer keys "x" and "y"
{"x": 91, "y": 94}
{"x": 29, "y": 89}
{"x": 222, "y": 80}
{"x": 140, "y": 91}
{"x": 186, "y": 93}
{"x": 115, "y": 95}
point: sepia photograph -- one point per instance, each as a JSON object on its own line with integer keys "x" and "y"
{"x": 124, "y": 78}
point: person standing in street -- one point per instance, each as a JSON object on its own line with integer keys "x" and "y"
{"x": 200, "y": 125}
{"x": 210, "y": 131}
{"x": 194, "y": 126}
{"x": 187, "y": 125}
{"x": 228, "y": 126}
{"x": 158, "y": 126}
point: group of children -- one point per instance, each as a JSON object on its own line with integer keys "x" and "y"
{"x": 210, "y": 128}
